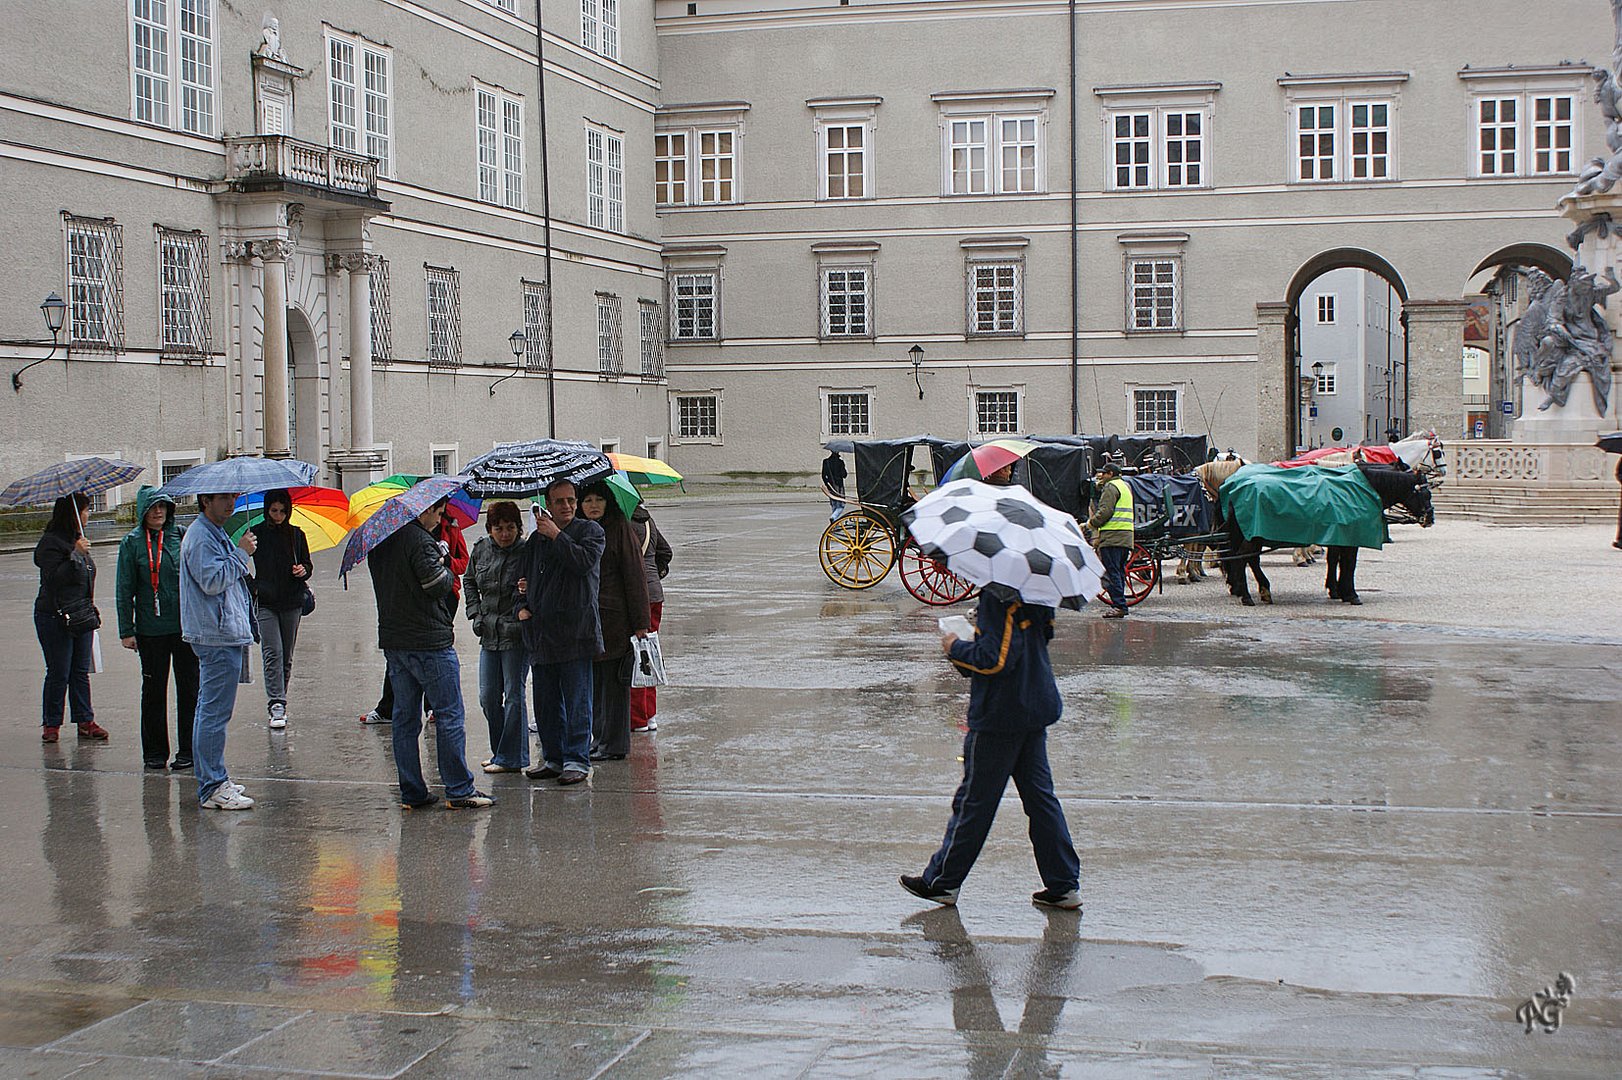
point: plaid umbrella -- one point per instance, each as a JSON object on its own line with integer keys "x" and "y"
{"x": 529, "y": 468}
{"x": 89, "y": 475}
{"x": 463, "y": 510}
{"x": 1006, "y": 536}
{"x": 235, "y": 476}
{"x": 393, "y": 516}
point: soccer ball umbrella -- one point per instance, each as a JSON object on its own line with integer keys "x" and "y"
{"x": 1006, "y": 536}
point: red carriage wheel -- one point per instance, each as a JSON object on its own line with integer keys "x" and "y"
{"x": 930, "y": 581}
{"x": 1142, "y": 575}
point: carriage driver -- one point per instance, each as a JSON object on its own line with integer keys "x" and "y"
{"x": 1111, "y": 531}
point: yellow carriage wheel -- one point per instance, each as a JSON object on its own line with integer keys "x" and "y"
{"x": 857, "y": 550}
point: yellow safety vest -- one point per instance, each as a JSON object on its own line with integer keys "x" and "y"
{"x": 1121, "y": 519}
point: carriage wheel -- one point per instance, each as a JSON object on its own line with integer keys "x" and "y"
{"x": 1142, "y": 575}
{"x": 929, "y": 580}
{"x": 857, "y": 550}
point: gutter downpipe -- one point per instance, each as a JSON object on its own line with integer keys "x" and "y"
{"x": 1075, "y": 283}
{"x": 546, "y": 229}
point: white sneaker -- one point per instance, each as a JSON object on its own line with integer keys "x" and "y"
{"x": 278, "y": 715}
{"x": 227, "y": 797}
{"x": 653, "y": 723}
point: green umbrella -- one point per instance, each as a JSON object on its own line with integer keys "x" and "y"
{"x": 624, "y": 492}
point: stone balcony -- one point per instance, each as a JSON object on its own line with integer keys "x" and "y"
{"x": 278, "y": 163}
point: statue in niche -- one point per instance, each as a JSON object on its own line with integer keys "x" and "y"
{"x": 270, "y": 38}
{"x": 1602, "y": 173}
{"x": 1564, "y": 333}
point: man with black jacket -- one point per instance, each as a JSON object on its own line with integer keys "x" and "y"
{"x": 411, "y": 580}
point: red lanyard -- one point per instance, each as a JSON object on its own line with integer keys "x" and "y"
{"x": 156, "y": 563}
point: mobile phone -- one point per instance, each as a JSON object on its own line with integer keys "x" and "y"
{"x": 539, "y": 511}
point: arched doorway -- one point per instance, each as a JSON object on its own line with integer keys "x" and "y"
{"x": 304, "y": 420}
{"x": 1376, "y": 366}
{"x": 1497, "y": 294}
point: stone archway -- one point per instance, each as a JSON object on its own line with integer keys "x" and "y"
{"x": 305, "y": 419}
{"x": 1497, "y": 294}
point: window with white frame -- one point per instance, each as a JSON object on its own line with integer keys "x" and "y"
{"x": 172, "y": 53}
{"x": 183, "y": 322}
{"x": 504, "y": 5}
{"x": 1315, "y": 130}
{"x": 996, "y": 305}
{"x": 1343, "y": 128}
{"x": 95, "y": 274}
{"x": 443, "y": 458}
{"x": 499, "y": 117}
{"x": 444, "y": 317}
{"x": 1528, "y": 133}
{"x": 653, "y": 339}
{"x": 697, "y": 417}
{"x": 996, "y": 412}
{"x": 670, "y": 168}
{"x": 171, "y": 463}
{"x": 1326, "y": 309}
{"x": 848, "y": 412}
{"x": 695, "y": 166}
{"x": 1553, "y": 134}
{"x": 360, "y": 98}
{"x": 695, "y": 301}
{"x": 847, "y": 300}
{"x": 1370, "y": 131}
{"x": 993, "y": 154}
{"x": 605, "y": 179}
{"x": 1158, "y": 148}
{"x": 844, "y": 160}
{"x": 600, "y": 27}
{"x": 537, "y": 324}
{"x": 1153, "y": 292}
{"x": 1155, "y": 411}
{"x": 382, "y": 310}
{"x": 610, "y": 343}
{"x": 1324, "y": 375}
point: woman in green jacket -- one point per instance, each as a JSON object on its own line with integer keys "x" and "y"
{"x": 149, "y": 623}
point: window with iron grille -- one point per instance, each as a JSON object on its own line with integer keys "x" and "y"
{"x": 1152, "y": 301}
{"x": 996, "y": 412}
{"x": 444, "y": 317}
{"x": 847, "y": 301}
{"x": 172, "y": 43}
{"x": 995, "y": 303}
{"x": 600, "y": 27}
{"x": 1154, "y": 411}
{"x": 443, "y": 462}
{"x": 610, "y": 344}
{"x": 183, "y": 293}
{"x": 698, "y": 416}
{"x": 360, "y": 104}
{"x": 382, "y": 311}
{"x": 172, "y": 465}
{"x": 605, "y": 180}
{"x": 95, "y": 272}
{"x": 653, "y": 339}
{"x": 849, "y": 413}
{"x": 695, "y": 306}
{"x": 537, "y": 325}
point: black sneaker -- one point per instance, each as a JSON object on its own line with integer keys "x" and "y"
{"x": 474, "y": 800}
{"x": 180, "y": 763}
{"x": 542, "y": 771}
{"x": 1063, "y": 899}
{"x": 925, "y": 891}
{"x": 421, "y": 804}
{"x": 156, "y": 766}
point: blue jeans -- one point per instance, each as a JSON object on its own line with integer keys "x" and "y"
{"x": 219, "y": 670}
{"x": 990, "y": 758}
{"x": 563, "y": 713}
{"x": 67, "y": 671}
{"x": 434, "y": 677}
{"x": 501, "y": 695}
{"x": 1114, "y": 560}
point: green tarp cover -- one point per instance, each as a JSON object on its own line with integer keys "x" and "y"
{"x": 1307, "y": 505}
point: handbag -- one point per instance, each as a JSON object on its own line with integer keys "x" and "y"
{"x": 650, "y": 662}
{"x": 308, "y": 607}
{"x": 80, "y": 616}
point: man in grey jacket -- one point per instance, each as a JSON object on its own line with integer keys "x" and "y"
{"x": 411, "y": 578}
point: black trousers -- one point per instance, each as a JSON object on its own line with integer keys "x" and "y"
{"x": 159, "y": 653}
{"x": 610, "y": 709}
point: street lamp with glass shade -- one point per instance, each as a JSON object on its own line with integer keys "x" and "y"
{"x": 55, "y": 311}
{"x": 518, "y": 342}
{"x": 916, "y": 355}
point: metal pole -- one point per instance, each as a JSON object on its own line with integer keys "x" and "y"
{"x": 1075, "y": 270}
{"x": 546, "y": 229}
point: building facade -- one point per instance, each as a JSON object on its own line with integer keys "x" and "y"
{"x": 1352, "y": 350}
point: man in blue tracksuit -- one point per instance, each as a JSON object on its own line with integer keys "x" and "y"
{"x": 1012, "y": 701}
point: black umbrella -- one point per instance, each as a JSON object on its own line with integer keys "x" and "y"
{"x": 1611, "y": 444}
{"x": 529, "y": 468}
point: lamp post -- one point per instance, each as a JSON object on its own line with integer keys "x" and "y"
{"x": 518, "y": 342}
{"x": 1317, "y": 381}
{"x": 55, "y": 311}
{"x": 916, "y": 355}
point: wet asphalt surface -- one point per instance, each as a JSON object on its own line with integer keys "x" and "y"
{"x": 1309, "y": 849}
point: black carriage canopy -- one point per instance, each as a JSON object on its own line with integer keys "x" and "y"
{"x": 882, "y": 466}
{"x": 1174, "y": 506}
{"x": 1185, "y": 451}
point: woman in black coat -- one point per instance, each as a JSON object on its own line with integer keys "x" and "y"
{"x": 62, "y": 609}
{"x": 622, "y": 605}
{"x": 281, "y": 576}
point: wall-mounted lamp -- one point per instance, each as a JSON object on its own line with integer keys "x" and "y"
{"x": 519, "y": 343}
{"x": 916, "y": 355}
{"x": 55, "y": 311}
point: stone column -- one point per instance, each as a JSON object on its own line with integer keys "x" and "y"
{"x": 1435, "y": 331}
{"x": 1274, "y": 395}
{"x": 274, "y": 254}
{"x": 359, "y": 338}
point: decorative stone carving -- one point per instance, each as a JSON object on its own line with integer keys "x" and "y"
{"x": 1498, "y": 462}
{"x": 238, "y": 251}
{"x": 270, "y": 38}
{"x": 1564, "y": 333}
{"x": 1602, "y": 173}
{"x": 356, "y": 262}
{"x": 273, "y": 250}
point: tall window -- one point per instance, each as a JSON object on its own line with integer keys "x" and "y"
{"x": 444, "y": 317}
{"x": 694, "y": 304}
{"x": 183, "y": 293}
{"x": 1370, "y": 140}
{"x": 1553, "y": 134}
{"x": 1157, "y": 148}
{"x": 600, "y": 27}
{"x": 1315, "y": 137}
{"x": 537, "y": 339}
{"x": 995, "y": 304}
{"x": 1326, "y": 308}
{"x": 500, "y": 121}
{"x": 1344, "y": 140}
{"x": 1153, "y": 301}
{"x": 95, "y": 272}
{"x": 844, "y": 161}
{"x": 847, "y": 301}
{"x": 1498, "y": 135}
{"x": 610, "y": 347}
{"x": 359, "y": 79}
{"x": 698, "y": 417}
{"x": 849, "y": 413}
{"x": 653, "y": 339}
{"x": 974, "y": 143}
{"x": 605, "y": 180}
{"x": 670, "y": 168}
{"x": 1529, "y": 134}
{"x": 1154, "y": 412}
{"x": 382, "y": 311}
{"x": 996, "y": 412}
{"x": 172, "y": 52}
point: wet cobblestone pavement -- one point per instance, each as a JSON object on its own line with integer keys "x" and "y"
{"x": 1311, "y": 847}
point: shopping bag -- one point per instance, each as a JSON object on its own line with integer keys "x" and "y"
{"x": 650, "y": 662}
{"x": 95, "y": 652}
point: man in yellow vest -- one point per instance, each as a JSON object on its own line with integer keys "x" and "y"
{"x": 1112, "y": 525}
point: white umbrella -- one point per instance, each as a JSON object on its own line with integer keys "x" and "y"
{"x": 1006, "y": 536}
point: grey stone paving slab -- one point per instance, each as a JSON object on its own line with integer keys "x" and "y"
{"x": 198, "y": 1031}
{"x": 684, "y": 1053}
{"x": 493, "y": 1047}
{"x": 977, "y": 1059}
{"x": 16, "y": 1064}
{"x": 377, "y": 1045}
{"x": 31, "y": 1018}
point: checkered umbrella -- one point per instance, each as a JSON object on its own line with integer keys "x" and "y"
{"x": 529, "y": 468}
{"x": 1006, "y": 536}
{"x": 89, "y": 475}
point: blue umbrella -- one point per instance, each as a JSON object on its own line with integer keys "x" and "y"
{"x": 394, "y": 515}
{"x": 241, "y": 475}
{"x": 89, "y": 475}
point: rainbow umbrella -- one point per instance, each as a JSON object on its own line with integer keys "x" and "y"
{"x": 463, "y": 509}
{"x": 323, "y": 514}
{"x": 643, "y": 470}
{"x": 987, "y": 458}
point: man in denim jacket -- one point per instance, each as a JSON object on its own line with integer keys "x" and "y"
{"x": 216, "y": 620}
